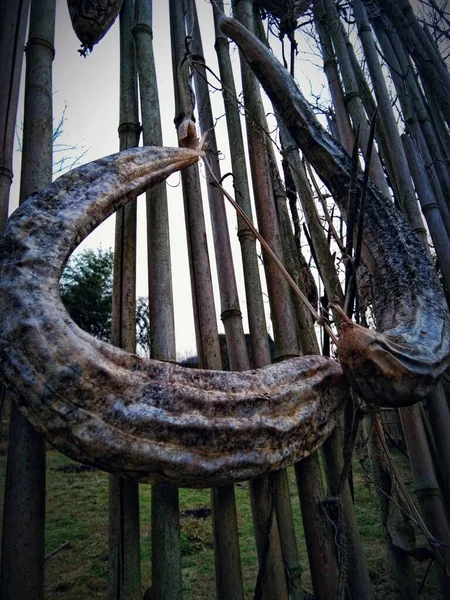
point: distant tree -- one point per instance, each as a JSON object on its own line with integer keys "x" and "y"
{"x": 86, "y": 290}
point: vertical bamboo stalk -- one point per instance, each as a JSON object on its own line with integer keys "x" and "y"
{"x": 124, "y": 579}
{"x": 166, "y": 546}
{"x": 427, "y": 487}
{"x": 226, "y": 540}
{"x": 255, "y": 308}
{"x": 319, "y": 537}
{"x": 253, "y": 290}
{"x": 24, "y": 510}
{"x": 400, "y": 563}
{"x": 13, "y": 23}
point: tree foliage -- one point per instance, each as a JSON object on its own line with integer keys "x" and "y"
{"x": 86, "y": 290}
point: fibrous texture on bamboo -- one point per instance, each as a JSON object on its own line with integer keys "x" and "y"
{"x": 402, "y": 362}
{"x": 148, "y": 420}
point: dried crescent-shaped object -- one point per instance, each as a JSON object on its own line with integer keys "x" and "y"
{"x": 402, "y": 362}
{"x": 147, "y": 420}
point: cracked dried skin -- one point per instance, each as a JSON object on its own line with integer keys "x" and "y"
{"x": 91, "y": 21}
{"x": 402, "y": 363}
{"x": 147, "y": 420}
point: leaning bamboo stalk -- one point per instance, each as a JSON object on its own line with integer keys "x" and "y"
{"x": 22, "y": 565}
{"x": 166, "y": 546}
{"x": 273, "y": 581}
{"x": 124, "y": 573}
{"x": 439, "y": 416}
{"x": 325, "y": 260}
{"x": 430, "y": 208}
{"x": 226, "y": 538}
{"x": 229, "y": 300}
{"x": 13, "y": 23}
{"x": 370, "y": 107}
{"x": 326, "y": 10}
{"x": 397, "y": 158}
{"x": 334, "y": 84}
{"x": 430, "y": 67}
{"x": 413, "y": 111}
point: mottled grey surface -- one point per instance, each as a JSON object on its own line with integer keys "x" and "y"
{"x": 148, "y": 420}
{"x": 402, "y": 364}
{"x": 92, "y": 19}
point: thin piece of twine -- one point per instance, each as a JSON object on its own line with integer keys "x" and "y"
{"x": 316, "y": 316}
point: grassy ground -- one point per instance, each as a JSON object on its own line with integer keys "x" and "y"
{"x": 77, "y": 501}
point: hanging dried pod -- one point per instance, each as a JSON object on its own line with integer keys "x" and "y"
{"x": 283, "y": 8}
{"x": 92, "y": 20}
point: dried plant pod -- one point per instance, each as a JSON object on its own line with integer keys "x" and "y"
{"x": 92, "y": 20}
{"x": 147, "y": 420}
{"x": 285, "y": 8}
{"x": 402, "y": 362}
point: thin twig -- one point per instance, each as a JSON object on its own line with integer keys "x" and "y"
{"x": 351, "y": 290}
{"x": 333, "y": 231}
{"x": 56, "y": 550}
{"x": 318, "y": 318}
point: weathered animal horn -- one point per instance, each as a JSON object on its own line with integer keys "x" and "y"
{"x": 402, "y": 363}
{"x": 148, "y": 420}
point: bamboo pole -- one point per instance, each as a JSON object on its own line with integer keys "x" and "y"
{"x": 326, "y": 10}
{"x": 353, "y": 567}
{"x": 24, "y": 510}
{"x": 13, "y": 23}
{"x": 397, "y": 158}
{"x": 429, "y": 66}
{"x": 318, "y": 534}
{"x": 427, "y": 488}
{"x": 439, "y": 414}
{"x": 124, "y": 575}
{"x": 166, "y": 545}
{"x": 258, "y": 331}
{"x": 414, "y": 111}
{"x": 226, "y": 540}
{"x": 430, "y": 208}
{"x": 334, "y": 83}
{"x": 253, "y": 289}
{"x": 391, "y": 512}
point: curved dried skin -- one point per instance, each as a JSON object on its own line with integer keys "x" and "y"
{"x": 148, "y": 420}
{"x": 402, "y": 364}
{"x": 91, "y": 21}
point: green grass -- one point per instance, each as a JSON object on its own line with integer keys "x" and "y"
{"x": 77, "y": 512}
